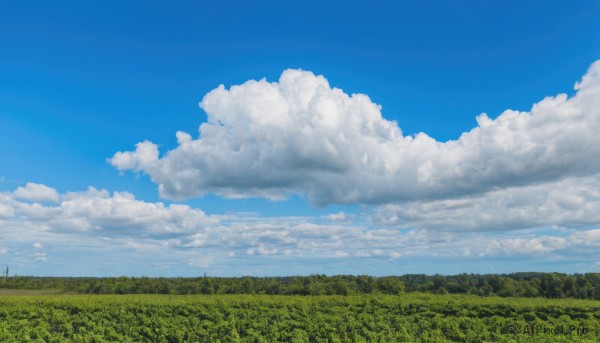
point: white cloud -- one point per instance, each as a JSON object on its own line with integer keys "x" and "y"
{"x": 36, "y": 192}
{"x": 122, "y": 211}
{"x": 6, "y": 211}
{"x": 299, "y": 135}
{"x": 572, "y": 202}
{"x": 119, "y": 213}
{"x": 340, "y": 216}
{"x": 145, "y": 154}
{"x": 118, "y": 229}
{"x": 576, "y": 242}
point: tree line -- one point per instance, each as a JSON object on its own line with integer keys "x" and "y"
{"x": 530, "y": 284}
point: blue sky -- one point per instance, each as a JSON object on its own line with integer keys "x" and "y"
{"x": 280, "y": 182}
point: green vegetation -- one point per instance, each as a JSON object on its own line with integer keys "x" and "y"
{"x": 547, "y": 285}
{"x": 519, "y": 307}
{"x": 260, "y": 318}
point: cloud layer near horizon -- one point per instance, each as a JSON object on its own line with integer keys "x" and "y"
{"x": 67, "y": 230}
{"x": 300, "y": 135}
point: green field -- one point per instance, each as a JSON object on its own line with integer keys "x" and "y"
{"x": 263, "y": 318}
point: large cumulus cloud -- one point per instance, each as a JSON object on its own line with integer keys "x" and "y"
{"x": 300, "y": 135}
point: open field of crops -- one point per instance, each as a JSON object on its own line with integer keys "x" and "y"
{"x": 263, "y": 318}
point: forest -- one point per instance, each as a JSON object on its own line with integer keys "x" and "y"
{"x": 530, "y": 285}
